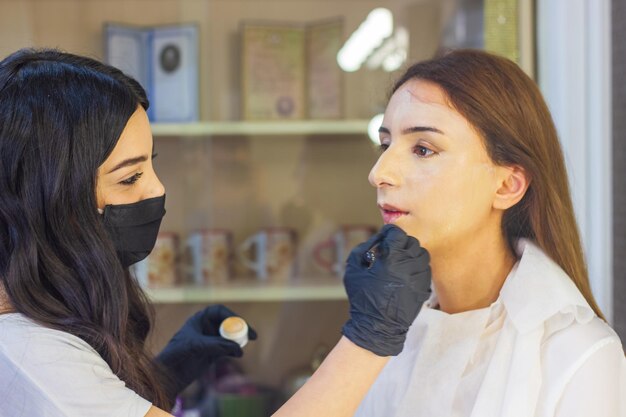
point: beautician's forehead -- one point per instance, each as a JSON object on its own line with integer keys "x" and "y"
{"x": 137, "y": 129}
{"x": 134, "y": 140}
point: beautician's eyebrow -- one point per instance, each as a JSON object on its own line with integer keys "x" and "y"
{"x": 132, "y": 161}
{"x": 413, "y": 129}
{"x": 129, "y": 162}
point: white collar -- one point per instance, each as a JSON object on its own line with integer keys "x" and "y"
{"x": 538, "y": 289}
{"x": 535, "y": 290}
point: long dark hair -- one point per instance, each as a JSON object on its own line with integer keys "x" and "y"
{"x": 60, "y": 117}
{"x": 507, "y": 108}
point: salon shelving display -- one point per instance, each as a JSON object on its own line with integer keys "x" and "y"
{"x": 243, "y": 175}
{"x": 260, "y": 129}
{"x": 300, "y": 290}
{"x": 309, "y": 288}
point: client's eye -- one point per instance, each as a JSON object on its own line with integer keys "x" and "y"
{"x": 423, "y": 152}
{"x": 383, "y": 147}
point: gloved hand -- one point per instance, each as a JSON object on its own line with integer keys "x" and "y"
{"x": 386, "y": 291}
{"x": 196, "y": 346}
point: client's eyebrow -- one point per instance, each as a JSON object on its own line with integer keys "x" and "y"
{"x": 129, "y": 162}
{"x": 413, "y": 129}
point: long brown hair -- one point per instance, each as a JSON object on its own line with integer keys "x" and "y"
{"x": 506, "y": 107}
{"x": 60, "y": 117}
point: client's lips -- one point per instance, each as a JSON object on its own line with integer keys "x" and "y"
{"x": 390, "y": 213}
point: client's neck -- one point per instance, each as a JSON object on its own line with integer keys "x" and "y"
{"x": 471, "y": 276}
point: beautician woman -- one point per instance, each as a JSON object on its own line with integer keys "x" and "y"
{"x": 79, "y": 203}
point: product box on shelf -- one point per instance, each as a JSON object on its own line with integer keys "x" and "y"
{"x": 164, "y": 59}
{"x": 290, "y": 71}
{"x": 324, "y": 77}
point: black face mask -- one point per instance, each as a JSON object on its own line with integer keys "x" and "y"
{"x": 134, "y": 227}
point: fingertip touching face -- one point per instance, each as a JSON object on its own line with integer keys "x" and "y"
{"x": 434, "y": 177}
{"x": 127, "y": 175}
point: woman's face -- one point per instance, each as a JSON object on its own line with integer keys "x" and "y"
{"x": 434, "y": 178}
{"x": 127, "y": 175}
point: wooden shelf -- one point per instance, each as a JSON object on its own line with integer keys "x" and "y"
{"x": 305, "y": 290}
{"x": 273, "y": 128}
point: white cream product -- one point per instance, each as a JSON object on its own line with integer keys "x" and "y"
{"x": 235, "y": 329}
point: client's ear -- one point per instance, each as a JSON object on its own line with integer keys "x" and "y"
{"x": 513, "y": 183}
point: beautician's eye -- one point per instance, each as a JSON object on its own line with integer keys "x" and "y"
{"x": 132, "y": 180}
{"x": 423, "y": 152}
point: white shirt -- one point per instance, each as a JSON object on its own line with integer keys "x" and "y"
{"x": 45, "y": 372}
{"x": 538, "y": 351}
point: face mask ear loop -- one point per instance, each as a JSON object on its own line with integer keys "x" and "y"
{"x": 100, "y": 211}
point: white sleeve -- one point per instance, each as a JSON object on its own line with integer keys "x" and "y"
{"x": 598, "y": 386}
{"x": 45, "y": 372}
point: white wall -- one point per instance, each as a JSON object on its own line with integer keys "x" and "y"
{"x": 574, "y": 73}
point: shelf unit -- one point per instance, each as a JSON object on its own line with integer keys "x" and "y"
{"x": 302, "y": 289}
{"x": 305, "y": 290}
{"x": 261, "y": 128}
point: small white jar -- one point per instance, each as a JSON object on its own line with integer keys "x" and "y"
{"x": 235, "y": 329}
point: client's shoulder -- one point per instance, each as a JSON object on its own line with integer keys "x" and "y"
{"x": 580, "y": 336}
{"x": 571, "y": 346}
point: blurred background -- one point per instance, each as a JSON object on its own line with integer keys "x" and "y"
{"x": 260, "y": 113}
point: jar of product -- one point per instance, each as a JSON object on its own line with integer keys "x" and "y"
{"x": 235, "y": 329}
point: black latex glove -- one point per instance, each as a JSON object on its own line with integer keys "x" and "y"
{"x": 196, "y": 346}
{"x": 385, "y": 295}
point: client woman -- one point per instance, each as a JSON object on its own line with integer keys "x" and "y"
{"x": 472, "y": 166}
